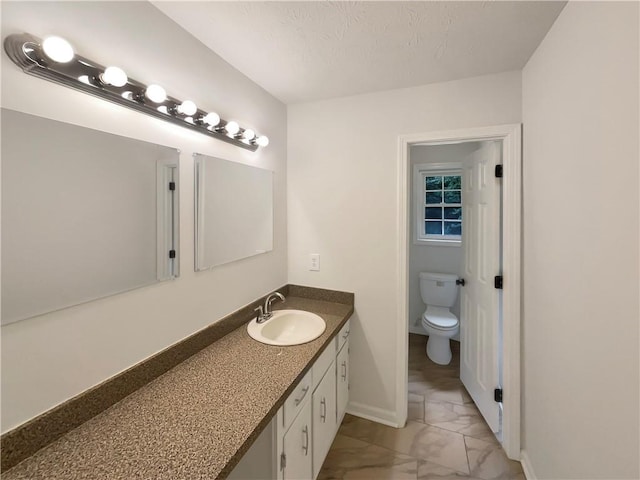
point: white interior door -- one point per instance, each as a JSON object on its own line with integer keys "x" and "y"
{"x": 479, "y": 299}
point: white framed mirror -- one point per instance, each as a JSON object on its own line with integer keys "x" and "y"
{"x": 85, "y": 214}
{"x": 234, "y": 211}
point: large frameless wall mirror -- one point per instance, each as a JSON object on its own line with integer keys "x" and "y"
{"x": 234, "y": 211}
{"x": 85, "y": 215}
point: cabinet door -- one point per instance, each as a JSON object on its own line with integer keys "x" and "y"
{"x": 324, "y": 418}
{"x": 342, "y": 366}
{"x": 297, "y": 447}
{"x": 258, "y": 463}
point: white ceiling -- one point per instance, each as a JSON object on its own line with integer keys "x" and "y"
{"x": 303, "y": 51}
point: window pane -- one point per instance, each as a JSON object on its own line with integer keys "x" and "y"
{"x": 433, "y": 197}
{"x": 452, "y": 213}
{"x": 452, "y": 183}
{"x": 433, "y": 183}
{"x": 433, "y": 228}
{"x": 433, "y": 212}
{"x": 452, "y": 197}
{"x": 452, "y": 228}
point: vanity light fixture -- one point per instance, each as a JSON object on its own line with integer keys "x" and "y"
{"x": 232, "y": 128}
{"x": 114, "y": 76}
{"x": 248, "y": 134}
{"x": 187, "y": 108}
{"x": 54, "y": 59}
{"x": 58, "y": 49}
{"x": 155, "y": 93}
{"x": 212, "y": 119}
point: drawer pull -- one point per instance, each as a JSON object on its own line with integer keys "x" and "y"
{"x": 346, "y": 334}
{"x": 344, "y": 370}
{"x": 323, "y": 415}
{"x": 305, "y": 447}
{"x": 304, "y": 392}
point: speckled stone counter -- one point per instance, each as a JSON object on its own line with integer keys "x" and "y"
{"x": 195, "y": 421}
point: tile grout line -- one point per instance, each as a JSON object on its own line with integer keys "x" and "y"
{"x": 376, "y": 445}
{"x": 466, "y": 452}
{"x": 416, "y": 459}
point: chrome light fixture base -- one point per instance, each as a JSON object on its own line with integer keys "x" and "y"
{"x": 26, "y": 51}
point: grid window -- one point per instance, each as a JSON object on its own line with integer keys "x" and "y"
{"x": 442, "y": 206}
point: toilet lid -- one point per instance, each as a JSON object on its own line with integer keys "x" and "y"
{"x": 442, "y": 319}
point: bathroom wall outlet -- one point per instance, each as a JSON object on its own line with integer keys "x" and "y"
{"x": 314, "y": 262}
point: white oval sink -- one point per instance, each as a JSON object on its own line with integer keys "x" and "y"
{"x": 287, "y": 327}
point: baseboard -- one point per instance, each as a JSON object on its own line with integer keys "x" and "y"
{"x": 379, "y": 415}
{"x": 526, "y": 466}
{"x": 418, "y": 330}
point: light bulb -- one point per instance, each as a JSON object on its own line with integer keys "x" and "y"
{"x": 156, "y": 93}
{"x": 187, "y": 108}
{"x": 232, "y": 128}
{"x": 248, "y": 134}
{"x": 262, "y": 141}
{"x": 58, "y": 49}
{"x": 211, "y": 119}
{"x": 114, "y": 76}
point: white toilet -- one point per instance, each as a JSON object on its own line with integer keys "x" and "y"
{"x": 439, "y": 291}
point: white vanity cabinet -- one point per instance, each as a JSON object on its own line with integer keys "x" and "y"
{"x": 324, "y": 415}
{"x": 297, "y": 453}
{"x": 308, "y": 421}
{"x": 259, "y": 462}
{"x": 342, "y": 387}
{"x": 296, "y": 400}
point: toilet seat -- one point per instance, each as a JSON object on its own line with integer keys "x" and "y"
{"x": 440, "y": 319}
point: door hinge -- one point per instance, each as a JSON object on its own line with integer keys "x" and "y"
{"x": 498, "y": 171}
{"x": 172, "y": 186}
{"x": 497, "y": 282}
{"x": 497, "y": 395}
{"x": 172, "y": 254}
{"x": 283, "y": 461}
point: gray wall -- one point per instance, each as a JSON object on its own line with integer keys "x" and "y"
{"x": 581, "y": 358}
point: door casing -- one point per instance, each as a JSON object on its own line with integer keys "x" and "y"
{"x": 511, "y": 137}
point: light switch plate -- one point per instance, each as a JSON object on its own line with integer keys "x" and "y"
{"x": 314, "y": 262}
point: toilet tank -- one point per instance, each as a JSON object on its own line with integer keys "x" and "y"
{"x": 438, "y": 289}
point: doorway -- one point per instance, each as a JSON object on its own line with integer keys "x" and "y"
{"x": 508, "y": 139}
{"x": 448, "y": 244}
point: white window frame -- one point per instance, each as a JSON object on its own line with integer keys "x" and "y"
{"x": 420, "y": 171}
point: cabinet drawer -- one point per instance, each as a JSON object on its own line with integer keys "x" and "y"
{"x": 344, "y": 334}
{"x": 323, "y": 362}
{"x": 296, "y": 400}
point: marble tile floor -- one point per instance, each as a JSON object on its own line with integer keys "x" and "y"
{"x": 445, "y": 437}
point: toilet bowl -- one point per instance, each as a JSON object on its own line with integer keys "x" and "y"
{"x": 441, "y": 325}
{"x": 439, "y": 292}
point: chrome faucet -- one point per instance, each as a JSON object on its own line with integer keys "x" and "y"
{"x": 265, "y": 313}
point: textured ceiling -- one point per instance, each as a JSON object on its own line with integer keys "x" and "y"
{"x": 302, "y": 51}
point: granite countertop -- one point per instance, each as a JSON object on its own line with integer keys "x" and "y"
{"x": 195, "y": 421}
